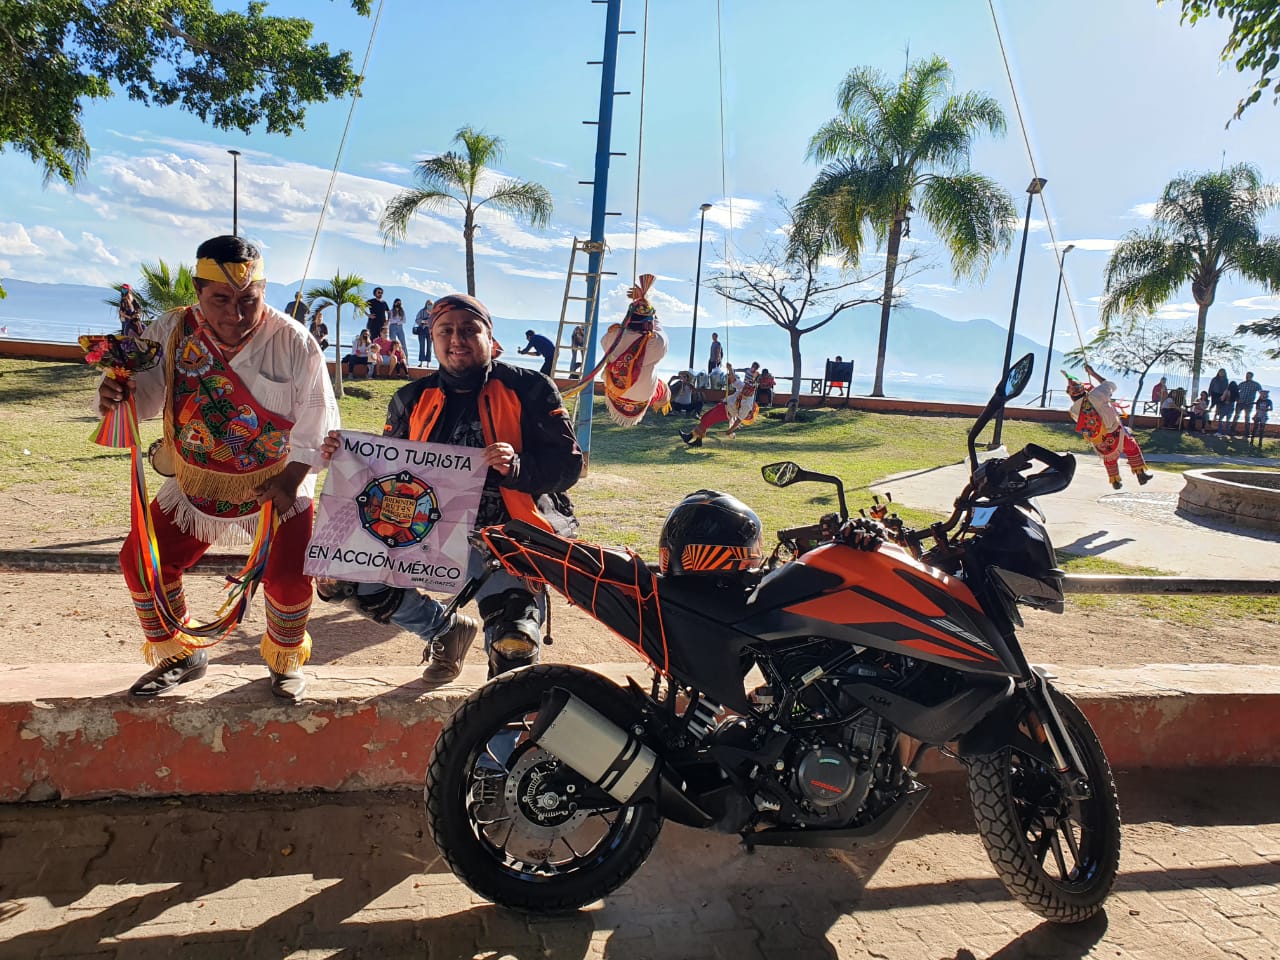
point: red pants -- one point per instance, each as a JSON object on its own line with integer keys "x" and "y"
{"x": 286, "y": 587}
{"x": 1112, "y": 445}
{"x": 717, "y": 414}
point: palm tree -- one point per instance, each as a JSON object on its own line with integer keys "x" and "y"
{"x": 161, "y": 289}
{"x": 1204, "y": 226}
{"x": 337, "y": 292}
{"x": 899, "y": 146}
{"x": 453, "y": 178}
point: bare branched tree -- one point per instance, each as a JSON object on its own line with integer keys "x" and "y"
{"x": 788, "y": 280}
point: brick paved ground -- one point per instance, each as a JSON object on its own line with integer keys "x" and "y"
{"x": 353, "y": 876}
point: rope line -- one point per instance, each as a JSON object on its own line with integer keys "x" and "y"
{"x": 724, "y": 179}
{"x": 644, "y": 67}
{"x": 333, "y": 174}
{"x": 1026, "y": 139}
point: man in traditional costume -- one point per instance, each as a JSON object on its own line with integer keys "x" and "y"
{"x": 738, "y": 409}
{"x": 1098, "y": 420}
{"x": 633, "y": 350}
{"x": 247, "y": 403}
{"x": 516, "y": 418}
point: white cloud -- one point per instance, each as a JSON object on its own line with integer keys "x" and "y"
{"x": 1177, "y": 311}
{"x": 514, "y": 271}
{"x": 390, "y": 169}
{"x": 96, "y": 248}
{"x": 433, "y": 288}
{"x": 51, "y": 240}
{"x": 1268, "y": 303}
{"x": 650, "y": 237}
{"x": 551, "y": 163}
{"x": 16, "y": 242}
{"x": 1144, "y": 210}
{"x": 1087, "y": 244}
{"x": 937, "y": 288}
{"x": 732, "y": 212}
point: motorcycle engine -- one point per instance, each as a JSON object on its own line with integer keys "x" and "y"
{"x": 830, "y": 779}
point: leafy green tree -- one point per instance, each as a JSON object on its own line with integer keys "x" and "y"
{"x": 454, "y": 178}
{"x": 338, "y": 292}
{"x": 161, "y": 289}
{"x": 1146, "y": 345}
{"x": 1205, "y": 226}
{"x": 232, "y": 70}
{"x": 1254, "y": 42}
{"x": 898, "y": 146}
{"x": 1268, "y": 329}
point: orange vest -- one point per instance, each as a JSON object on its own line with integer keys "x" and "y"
{"x": 499, "y": 420}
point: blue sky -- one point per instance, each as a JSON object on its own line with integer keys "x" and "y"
{"x": 1117, "y": 96}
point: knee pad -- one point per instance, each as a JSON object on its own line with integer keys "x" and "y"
{"x": 380, "y": 606}
{"x": 512, "y": 626}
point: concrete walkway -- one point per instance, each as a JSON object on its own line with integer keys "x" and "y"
{"x": 1136, "y": 525}
{"x": 356, "y": 876}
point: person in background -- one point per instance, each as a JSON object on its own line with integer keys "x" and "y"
{"x": 395, "y": 324}
{"x": 1246, "y": 394}
{"x": 716, "y": 356}
{"x": 1227, "y": 408}
{"x": 391, "y": 354}
{"x": 360, "y": 354}
{"x": 764, "y": 389}
{"x": 577, "y": 345}
{"x": 422, "y": 330}
{"x": 1217, "y": 387}
{"x": 379, "y": 314}
{"x": 297, "y": 310}
{"x": 1261, "y": 412}
{"x": 130, "y": 313}
{"x": 1159, "y": 392}
{"x": 517, "y": 420}
{"x": 839, "y": 384}
{"x": 686, "y": 399}
{"x": 543, "y": 347}
{"x": 1200, "y": 413}
{"x": 319, "y": 330}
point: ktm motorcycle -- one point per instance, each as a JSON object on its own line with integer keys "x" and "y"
{"x": 790, "y": 703}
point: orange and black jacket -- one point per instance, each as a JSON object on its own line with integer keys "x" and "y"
{"x": 517, "y": 406}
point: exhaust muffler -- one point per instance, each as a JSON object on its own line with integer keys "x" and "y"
{"x": 612, "y": 758}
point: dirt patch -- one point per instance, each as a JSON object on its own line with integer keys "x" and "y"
{"x": 88, "y": 618}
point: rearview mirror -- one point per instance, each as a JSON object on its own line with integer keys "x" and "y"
{"x": 781, "y": 474}
{"x": 1019, "y": 375}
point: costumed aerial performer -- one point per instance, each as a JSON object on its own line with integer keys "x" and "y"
{"x": 634, "y": 348}
{"x": 1098, "y": 421}
{"x": 247, "y": 403}
{"x": 738, "y": 409}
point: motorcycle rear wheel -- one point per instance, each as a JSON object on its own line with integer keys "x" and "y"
{"x": 1056, "y": 856}
{"x": 503, "y": 812}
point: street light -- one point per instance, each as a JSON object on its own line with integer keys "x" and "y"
{"x": 1053, "y": 324}
{"x": 697, "y": 285}
{"x": 235, "y": 191}
{"x": 1036, "y": 186}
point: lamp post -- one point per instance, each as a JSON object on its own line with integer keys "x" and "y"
{"x": 235, "y": 191}
{"x": 1036, "y": 186}
{"x": 697, "y": 285}
{"x": 1053, "y": 324}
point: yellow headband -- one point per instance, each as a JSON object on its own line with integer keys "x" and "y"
{"x": 239, "y": 275}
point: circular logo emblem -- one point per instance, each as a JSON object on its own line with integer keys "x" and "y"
{"x": 399, "y": 510}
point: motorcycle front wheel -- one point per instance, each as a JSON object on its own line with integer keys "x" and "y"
{"x": 514, "y": 823}
{"x": 1056, "y": 855}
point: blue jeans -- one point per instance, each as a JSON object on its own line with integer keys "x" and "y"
{"x": 424, "y": 615}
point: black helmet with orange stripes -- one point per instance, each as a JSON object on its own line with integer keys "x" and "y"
{"x": 710, "y": 533}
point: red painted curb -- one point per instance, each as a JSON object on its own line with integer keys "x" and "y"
{"x": 71, "y": 733}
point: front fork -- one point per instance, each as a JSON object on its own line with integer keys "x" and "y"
{"x": 1056, "y": 735}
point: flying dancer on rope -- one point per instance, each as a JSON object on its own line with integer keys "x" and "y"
{"x": 634, "y": 349}
{"x": 1098, "y": 420}
{"x": 738, "y": 409}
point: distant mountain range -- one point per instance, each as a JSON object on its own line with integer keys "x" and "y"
{"x": 929, "y": 356}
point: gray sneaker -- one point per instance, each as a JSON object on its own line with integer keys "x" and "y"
{"x": 445, "y": 653}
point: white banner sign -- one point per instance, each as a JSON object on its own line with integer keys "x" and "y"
{"x": 396, "y": 512}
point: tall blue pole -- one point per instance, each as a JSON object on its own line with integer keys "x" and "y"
{"x": 599, "y": 199}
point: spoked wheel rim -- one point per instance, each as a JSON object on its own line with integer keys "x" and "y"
{"x": 532, "y": 814}
{"x": 1061, "y": 833}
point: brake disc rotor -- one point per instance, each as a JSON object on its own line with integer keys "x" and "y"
{"x": 543, "y": 797}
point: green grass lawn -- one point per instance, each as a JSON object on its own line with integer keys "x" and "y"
{"x": 635, "y": 474}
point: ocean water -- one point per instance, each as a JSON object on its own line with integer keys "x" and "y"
{"x": 60, "y": 329}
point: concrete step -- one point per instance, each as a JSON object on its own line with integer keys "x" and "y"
{"x": 72, "y": 731}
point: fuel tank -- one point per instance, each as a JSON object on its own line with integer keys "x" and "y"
{"x": 884, "y": 599}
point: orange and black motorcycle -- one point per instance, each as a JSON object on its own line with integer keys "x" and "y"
{"x": 792, "y": 698}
